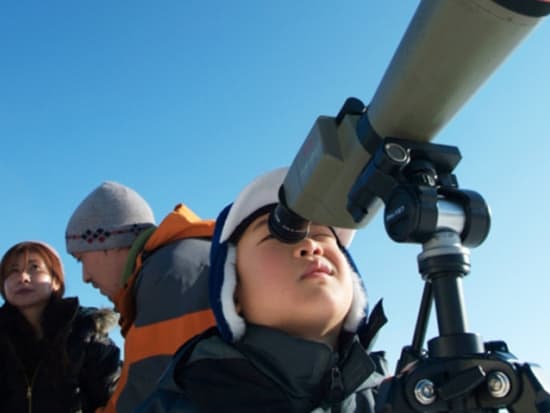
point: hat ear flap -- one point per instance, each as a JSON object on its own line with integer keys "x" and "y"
{"x": 357, "y": 314}
{"x": 222, "y": 284}
{"x": 359, "y": 310}
{"x": 227, "y": 297}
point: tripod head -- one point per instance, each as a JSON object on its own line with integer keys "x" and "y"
{"x": 424, "y": 205}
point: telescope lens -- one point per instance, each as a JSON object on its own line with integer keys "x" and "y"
{"x": 287, "y": 226}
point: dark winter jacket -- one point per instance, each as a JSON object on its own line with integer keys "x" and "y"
{"x": 268, "y": 371}
{"x": 73, "y": 368}
{"x": 164, "y": 302}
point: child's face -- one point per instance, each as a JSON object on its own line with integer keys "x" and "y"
{"x": 304, "y": 289}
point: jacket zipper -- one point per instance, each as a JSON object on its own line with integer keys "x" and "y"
{"x": 28, "y": 394}
{"x": 336, "y": 384}
{"x": 29, "y": 388}
{"x": 29, "y": 398}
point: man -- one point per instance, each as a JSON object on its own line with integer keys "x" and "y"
{"x": 156, "y": 277}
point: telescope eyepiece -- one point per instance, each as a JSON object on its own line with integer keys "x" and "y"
{"x": 285, "y": 225}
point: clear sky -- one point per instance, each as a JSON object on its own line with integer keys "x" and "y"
{"x": 187, "y": 101}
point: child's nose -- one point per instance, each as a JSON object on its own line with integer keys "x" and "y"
{"x": 308, "y": 246}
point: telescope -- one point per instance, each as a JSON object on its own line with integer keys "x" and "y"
{"x": 448, "y": 51}
{"x": 381, "y": 154}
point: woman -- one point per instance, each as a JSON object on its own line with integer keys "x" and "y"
{"x": 55, "y": 356}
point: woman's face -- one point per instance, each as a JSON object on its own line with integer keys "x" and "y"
{"x": 28, "y": 282}
{"x": 304, "y": 289}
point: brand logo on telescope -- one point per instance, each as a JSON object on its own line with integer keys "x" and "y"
{"x": 286, "y": 227}
{"x": 395, "y": 214}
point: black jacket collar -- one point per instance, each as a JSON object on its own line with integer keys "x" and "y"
{"x": 58, "y": 314}
{"x": 279, "y": 369}
{"x": 305, "y": 368}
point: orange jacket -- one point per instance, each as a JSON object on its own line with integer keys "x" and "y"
{"x": 164, "y": 301}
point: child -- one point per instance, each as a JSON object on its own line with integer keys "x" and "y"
{"x": 287, "y": 317}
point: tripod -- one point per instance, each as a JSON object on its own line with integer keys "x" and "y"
{"x": 458, "y": 372}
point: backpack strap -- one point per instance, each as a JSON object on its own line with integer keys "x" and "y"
{"x": 135, "y": 253}
{"x": 125, "y": 302}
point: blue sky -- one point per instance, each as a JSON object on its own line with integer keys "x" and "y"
{"x": 186, "y": 101}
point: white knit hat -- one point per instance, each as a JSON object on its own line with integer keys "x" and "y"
{"x": 111, "y": 216}
{"x": 259, "y": 194}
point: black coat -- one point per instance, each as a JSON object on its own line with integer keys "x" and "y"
{"x": 270, "y": 372}
{"x": 73, "y": 368}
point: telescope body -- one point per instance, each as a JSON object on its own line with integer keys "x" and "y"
{"x": 448, "y": 50}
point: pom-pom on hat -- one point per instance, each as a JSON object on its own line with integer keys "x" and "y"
{"x": 251, "y": 202}
{"x": 111, "y": 216}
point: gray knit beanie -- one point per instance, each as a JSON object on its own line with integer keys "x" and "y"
{"x": 112, "y": 216}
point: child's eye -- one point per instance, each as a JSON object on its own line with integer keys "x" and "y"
{"x": 269, "y": 236}
{"x": 321, "y": 234}
{"x": 323, "y": 237}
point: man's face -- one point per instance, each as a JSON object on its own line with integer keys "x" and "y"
{"x": 103, "y": 269}
{"x": 304, "y": 289}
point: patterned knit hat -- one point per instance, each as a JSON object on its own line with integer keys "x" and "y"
{"x": 112, "y": 216}
{"x": 255, "y": 198}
